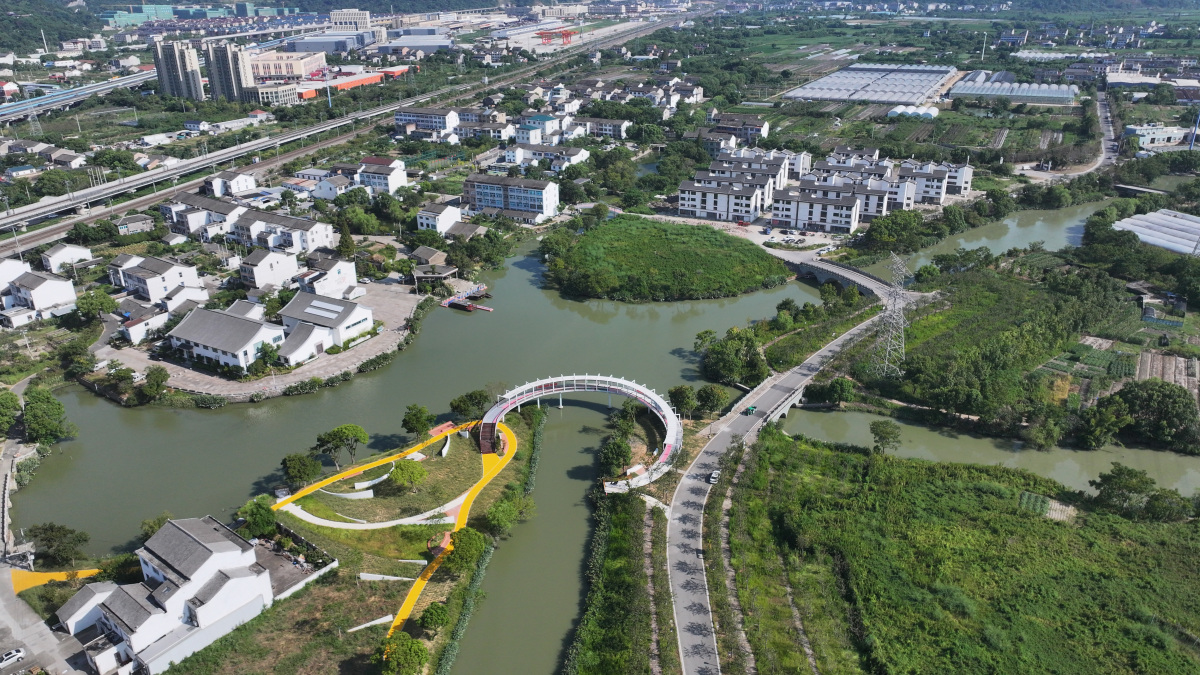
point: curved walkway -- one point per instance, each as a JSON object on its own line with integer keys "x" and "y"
{"x": 492, "y": 466}
{"x": 426, "y": 518}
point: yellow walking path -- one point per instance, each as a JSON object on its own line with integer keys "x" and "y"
{"x": 367, "y": 467}
{"x": 492, "y": 466}
{"x": 22, "y": 580}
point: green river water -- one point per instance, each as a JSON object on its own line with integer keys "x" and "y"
{"x": 130, "y": 464}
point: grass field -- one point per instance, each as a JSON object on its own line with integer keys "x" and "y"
{"x": 903, "y": 565}
{"x": 631, "y": 258}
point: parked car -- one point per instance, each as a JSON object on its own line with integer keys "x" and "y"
{"x": 11, "y": 656}
{"x": 714, "y": 477}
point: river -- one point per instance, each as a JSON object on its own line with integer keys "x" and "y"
{"x": 131, "y": 464}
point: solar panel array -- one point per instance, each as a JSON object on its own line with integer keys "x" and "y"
{"x": 876, "y": 83}
{"x": 323, "y": 309}
{"x": 1167, "y": 229}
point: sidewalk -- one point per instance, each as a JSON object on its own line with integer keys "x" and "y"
{"x": 21, "y": 627}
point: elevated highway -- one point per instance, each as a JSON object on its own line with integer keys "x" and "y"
{"x": 63, "y": 99}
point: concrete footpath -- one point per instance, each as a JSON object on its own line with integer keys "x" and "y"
{"x": 21, "y": 627}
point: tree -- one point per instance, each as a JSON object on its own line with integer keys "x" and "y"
{"x": 346, "y": 247}
{"x": 683, "y": 397}
{"x": 615, "y": 455}
{"x": 45, "y": 417}
{"x": 501, "y": 517}
{"x": 152, "y": 525}
{"x": 92, "y": 304}
{"x": 418, "y": 419}
{"x": 1166, "y": 506}
{"x": 300, "y": 468}
{"x": 260, "y": 519}
{"x": 703, "y": 339}
{"x": 841, "y": 390}
{"x": 926, "y": 273}
{"x": 408, "y": 474}
{"x": 468, "y": 544}
{"x": 400, "y": 654}
{"x": 711, "y": 398}
{"x": 58, "y": 545}
{"x": 156, "y": 380}
{"x": 342, "y": 438}
{"x": 1099, "y": 424}
{"x": 887, "y": 436}
{"x": 434, "y": 617}
{"x": 1163, "y": 414}
{"x": 1122, "y": 488}
{"x": 472, "y": 405}
{"x": 10, "y": 408}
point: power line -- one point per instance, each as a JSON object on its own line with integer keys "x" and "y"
{"x": 889, "y": 350}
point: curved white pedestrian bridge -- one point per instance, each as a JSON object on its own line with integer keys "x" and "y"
{"x": 533, "y": 392}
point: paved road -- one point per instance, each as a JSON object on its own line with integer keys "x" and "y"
{"x": 689, "y": 589}
{"x": 1107, "y": 157}
{"x": 20, "y": 627}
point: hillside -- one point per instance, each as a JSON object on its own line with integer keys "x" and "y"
{"x": 22, "y": 21}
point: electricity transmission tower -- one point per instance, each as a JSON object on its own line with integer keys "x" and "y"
{"x": 35, "y": 127}
{"x": 889, "y": 351}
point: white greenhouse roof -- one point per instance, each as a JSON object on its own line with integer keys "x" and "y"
{"x": 876, "y": 83}
{"x": 1167, "y": 229}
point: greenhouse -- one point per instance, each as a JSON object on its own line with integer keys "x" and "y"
{"x": 1024, "y": 92}
{"x": 925, "y": 111}
{"x": 877, "y": 83}
{"x": 1172, "y": 230}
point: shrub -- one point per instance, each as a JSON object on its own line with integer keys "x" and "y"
{"x": 209, "y": 401}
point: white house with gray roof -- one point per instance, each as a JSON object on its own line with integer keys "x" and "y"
{"x": 315, "y": 323}
{"x": 229, "y": 183}
{"x": 263, "y": 268}
{"x": 330, "y": 277}
{"x": 64, "y": 255}
{"x": 281, "y": 233}
{"x": 200, "y": 217}
{"x": 201, "y": 580}
{"x": 223, "y": 338}
{"x": 149, "y": 277}
{"x": 36, "y": 295}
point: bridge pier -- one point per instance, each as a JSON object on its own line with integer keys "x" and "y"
{"x": 560, "y": 400}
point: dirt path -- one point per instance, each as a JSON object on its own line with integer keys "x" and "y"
{"x": 648, "y": 567}
{"x": 730, "y": 582}
{"x": 804, "y": 641}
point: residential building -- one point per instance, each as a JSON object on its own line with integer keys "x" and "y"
{"x": 263, "y": 268}
{"x": 330, "y": 277}
{"x": 61, "y": 256}
{"x": 200, "y": 581}
{"x": 149, "y": 277}
{"x": 178, "y": 68}
{"x": 1157, "y": 134}
{"x": 229, "y": 72}
{"x": 425, "y": 255}
{"x": 223, "y": 338}
{"x": 285, "y": 234}
{"x": 36, "y": 295}
{"x": 286, "y": 66}
{"x": 601, "y": 127}
{"x": 560, "y": 156}
{"x": 808, "y": 210}
{"x": 200, "y": 217}
{"x": 720, "y": 202}
{"x": 11, "y": 268}
{"x": 714, "y": 142}
{"x": 229, "y": 183}
{"x": 439, "y": 217}
{"x": 512, "y": 194}
{"x": 135, "y": 224}
{"x": 465, "y": 230}
{"x": 747, "y": 128}
{"x": 382, "y": 179}
{"x": 329, "y": 188}
{"x": 315, "y": 322}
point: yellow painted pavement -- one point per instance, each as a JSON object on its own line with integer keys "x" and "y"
{"x": 22, "y": 580}
{"x": 366, "y": 467}
{"x": 492, "y": 466}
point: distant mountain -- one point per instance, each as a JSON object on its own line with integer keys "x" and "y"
{"x": 21, "y": 23}
{"x": 1103, "y": 6}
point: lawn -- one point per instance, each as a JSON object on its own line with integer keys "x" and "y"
{"x": 902, "y": 565}
{"x": 632, "y": 258}
{"x": 448, "y": 477}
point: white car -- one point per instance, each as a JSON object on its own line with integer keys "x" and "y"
{"x": 714, "y": 477}
{"x": 11, "y": 656}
